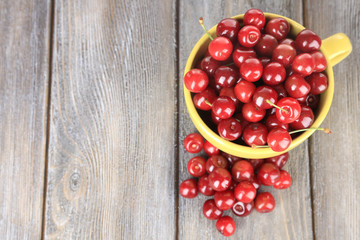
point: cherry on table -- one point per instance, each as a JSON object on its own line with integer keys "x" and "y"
{"x": 223, "y": 107}
{"x": 216, "y": 161}
{"x": 255, "y": 182}
{"x": 292, "y": 110}
{"x": 211, "y": 211}
{"x": 209, "y": 65}
{"x": 296, "y": 86}
{"x": 284, "y": 180}
{"x": 274, "y": 73}
{"x": 241, "y": 209}
{"x": 196, "y": 80}
{"x": 200, "y": 99}
{"x": 319, "y": 61}
{"x": 254, "y": 17}
{"x": 278, "y": 27}
{"x": 251, "y": 69}
{"x": 193, "y": 143}
{"x": 240, "y": 54}
{"x": 231, "y": 158}
{"x": 226, "y": 226}
{"x": 252, "y": 113}
{"x": 262, "y": 94}
{"x": 264, "y": 202}
{"x": 203, "y": 186}
{"x": 224, "y": 200}
{"x": 228, "y": 28}
{"x": 245, "y": 192}
{"x": 284, "y": 54}
{"x": 248, "y": 36}
{"x": 303, "y": 64}
{"x": 278, "y": 139}
{"x": 255, "y": 134}
{"x": 256, "y": 163}
{"x": 220, "y": 48}
{"x": 307, "y": 41}
{"x": 229, "y": 129}
{"x": 210, "y": 149}
{"x": 305, "y": 120}
{"x": 196, "y": 166}
{"x": 272, "y": 122}
{"x": 242, "y": 171}
{"x": 244, "y": 91}
{"x": 279, "y": 160}
{"x": 266, "y": 45}
{"x": 219, "y": 179}
{"x": 226, "y": 76}
{"x": 188, "y": 188}
{"x": 318, "y": 83}
{"x": 268, "y": 174}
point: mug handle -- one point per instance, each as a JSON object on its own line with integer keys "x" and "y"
{"x": 336, "y": 48}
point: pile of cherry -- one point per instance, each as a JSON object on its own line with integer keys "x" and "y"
{"x": 260, "y": 85}
{"x": 234, "y": 182}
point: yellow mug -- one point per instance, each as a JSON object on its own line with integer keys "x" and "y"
{"x": 335, "y": 48}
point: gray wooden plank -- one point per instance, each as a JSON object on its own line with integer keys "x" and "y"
{"x": 334, "y": 159}
{"x": 113, "y": 113}
{"x": 292, "y": 218}
{"x": 24, "y": 52}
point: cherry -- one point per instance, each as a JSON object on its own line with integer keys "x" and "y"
{"x": 274, "y": 73}
{"x": 209, "y": 65}
{"x": 239, "y": 117}
{"x": 224, "y": 200}
{"x": 252, "y": 113}
{"x": 232, "y": 186}
{"x": 211, "y": 211}
{"x": 251, "y": 69}
{"x": 196, "y": 166}
{"x": 296, "y": 86}
{"x": 262, "y": 94}
{"x": 307, "y": 41}
{"x": 279, "y": 160}
{"x": 284, "y": 54}
{"x": 231, "y": 159}
{"x": 312, "y": 101}
{"x": 228, "y": 28}
{"x": 242, "y": 171}
{"x": 305, "y": 120}
{"x": 230, "y": 92}
{"x": 256, "y": 183}
{"x": 204, "y": 186}
{"x": 226, "y": 76}
{"x": 244, "y": 91}
{"x": 213, "y": 85}
{"x": 303, "y": 64}
{"x": 288, "y": 41}
{"x": 266, "y": 45}
{"x": 248, "y": 36}
{"x": 241, "y": 54}
{"x": 219, "y": 179}
{"x": 301, "y": 100}
{"x": 256, "y": 163}
{"x": 255, "y": 134}
{"x": 229, "y": 129}
{"x": 241, "y": 209}
{"x": 318, "y": 83}
{"x": 254, "y": 17}
{"x": 280, "y": 89}
{"x": 278, "y": 27}
{"x": 199, "y": 99}
{"x": 278, "y": 139}
{"x": 188, "y": 188}
{"x": 216, "y": 161}
{"x": 210, "y": 149}
{"x": 226, "y": 226}
{"x": 215, "y": 118}
{"x": 245, "y": 192}
{"x": 292, "y": 110}
{"x": 264, "y": 202}
{"x": 193, "y": 143}
{"x": 220, "y": 48}
{"x": 272, "y": 122}
{"x": 223, "y": 107}
{"x": 284, "y": 180}
{"x": 319, "y": 61}
{"x": 196, "y": 80}
{"x": 268, "y": 174}
{"x": 264, "y": 61}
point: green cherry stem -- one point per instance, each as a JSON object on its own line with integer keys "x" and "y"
{"x": 201, "y": 21}
{"x": 272, "y": 104}
{"x": 326, "y": 130}
{"x": 208, "y": 103}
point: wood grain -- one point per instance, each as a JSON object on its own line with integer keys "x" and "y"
{"x": 113, "y": 114}
{"x": 335, "y": 159}
{"x": 292, "y": 218}
{"x": 24, "y": 53}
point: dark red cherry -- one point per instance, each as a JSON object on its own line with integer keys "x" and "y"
{"x": 303, "y": 64}
{"x": 229, "y": 129}
{"x": 216, "y": 161}
{"x": 241, "y": 54}
{"x": 244, "y": 91}
{"x": 226, "y": 76}
{"x": 241, "y": 209}
{"x": 232, "y": 185}
{"x": 215, "y": 118}
{"x": 319, "y": 61}
{"x": 296, "y": 86}
{"x": 213, "y": 85}
{"x": 196, "y": 166}
{"x": 274, "y": 74}
{"x": 193, "y": 143}
{"x": 278, "y": 27}
{"x": 292, "y": 107}
{"x": 204, "y": 186}
{"x": 288, "y": 41}
{"x": 196, "y": 80}
{"x": 242, "y": 171}
{"x": 264, "y": 61}
{"x": 251, "y": 69}
{"x": 228, "y": 28}
{"x": 268, "y": 174}
{"x": 211, "y": 211}
{"x": 229, "y": 92}
{"x": 245, "y": 192}
{"x": 254, "y": 17}
{"x": 239, "y": 117}
{"x": 231, "y": 158}
{"x": 209, "y": 65}
{"x": 224, "y": 200}
{"x": 188, "y": 188}
{"x": 280, "y": 89}
{"x": 284, "y": 180}
{"x": 318, "y": 83}
{"x": 312, "y": 101}
{"x": 220, "y": 48}
{"x": 278, "y": 139}
{"x": 305, "y": 120}
{"x": 264, "y": 202}
{"x": 272, "y": 122}
{"x": 262, "y": 94}
{"x": 255, "y": 134}
{"x": 248, "y": 36}
{"x": 219, "y": 179}
{"x": 210, "y": 149}
{"x": 279, "y": 160}
{"x": 256, "y": 163}
{"x": 223, "y": 107}
{"x": 226, "y": 226}
{"x": 266, "y": 45}
{"x": 255, "y": 182}
{"x": 307, "y": 41}
{"x": 199, "y": 99}
{"x": 284, "y": 54}
{"x": 252, "y": 113}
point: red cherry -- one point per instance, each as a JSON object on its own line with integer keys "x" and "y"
{"x": 215, "y": 118}
{"x": 256, "y": 183}
{"x": 251, "y": 69}
{"x": 266, "y": 45}
{"x": 226, "y": 226}
{"x": 229, "y": 92}
{"x": 256, "y": 163}
{"x": 252, "y": 113}
{"x": 209, "y": 65}
{"x": 296, "y": 86}
{"x": 204, "y": 186}
{"x": 279, "y": 160}
{"x": 241, "y": 209}
{"x": 223, "y": 107}
{"x": 312, "y": 101}
{"x": 319, "y": 61}
{"x": 213, "y": 85}
{"x": 301, "y": 100}
{"x": 211, "y": 211}
{"x": 292, "y": 107}
{"x": 210, "y": 149}
{"x": 226, "y": 76}
{"x": 254, "y": 17}
{"x": 219, "y": 179}
{"x": 216, "y": 161}
{"x": 245, "y": 192}
{"x": 188, "y": 188}
{"x": 305, "y": 120}
{"x": 278, "y": 27}
{"x": 255, "y": 134}
{"x": 224, "y": 200}
{"x": 229, "y": 129}
{"x": 231, "y": 159}
{"x": 248, "y": 36}
{"x": 242, "y": 171}
{"x": 284, "y": 180}
{"x": 193, "y": 143}
{"x": 264, "y": 202}
{"x": 199, "y": 99}
{"x": 307, "y": 41}
{"x": 288, "y": 41}
{"x": 318, "y": 83}
{"x": 264, "y": 61}
{"x": 268, "y": 174}
{"x": 241, "y": 54}
{"x": 274, "y": 74}
{"x": 228, "y": 28}
{"x": 272, "y": 122}
{"x": 239, "y": 117}
{"x": 244, "y": 91}
{"x": 284, "y": 54}
{"x": 280, "y": 89}
{"x": 232, "y": 185}
{"x": 262, "y": 94}
{"x": 220, "y": 48}
{"x": 196, "y": 80}
{"x": 196, "y": 166}
{"x": 303, "y": 64}
{"x": 278, "y": 139}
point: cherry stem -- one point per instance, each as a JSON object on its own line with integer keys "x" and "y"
{"x": 272, "y": 104}
{"x": 253, "y": 146}
{"x": 229, "y": 64}
{"x": 201, "y": 21}
{"x": 326, "y": 130}
{"x": 208, "y": 103}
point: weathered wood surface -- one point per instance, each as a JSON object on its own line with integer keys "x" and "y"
{"x": 113, "y": 117}
{"x": 24, "y": 52}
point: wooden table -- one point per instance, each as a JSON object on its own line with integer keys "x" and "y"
{"x": 92, "y": 119}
